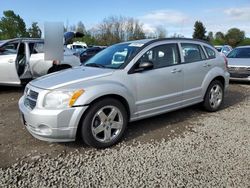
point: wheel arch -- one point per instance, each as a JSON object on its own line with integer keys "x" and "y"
{"x": 219, "y": 78}
{"x": 114, "y": 96}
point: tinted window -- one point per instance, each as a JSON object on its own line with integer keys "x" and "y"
{"x": 239, "y": 53}
{"x": 77, "y": 46}
{"x": 8, "y": 49}
{"x": 218, "y": 49}
{"x": 210, "y": 52}
{"x": 192, "y": 52}
{"x": 38, "y": 48}
{"x": 162, "y": 56}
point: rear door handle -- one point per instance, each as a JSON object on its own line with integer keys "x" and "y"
{"x": 176, "y": 70}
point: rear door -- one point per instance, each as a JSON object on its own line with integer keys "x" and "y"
{"x": 8, "y": 68}
{"x": 196, "y": 67}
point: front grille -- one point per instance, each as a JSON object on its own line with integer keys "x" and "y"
{"x": 239, "y": 70}
{"x": 30, "y": 98}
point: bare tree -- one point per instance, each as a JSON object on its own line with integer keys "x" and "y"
{"x": 161, "y": 32}
{"x": 80, "y": 27}
{"x": 117, "y": 29}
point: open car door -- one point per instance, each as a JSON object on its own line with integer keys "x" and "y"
{"x": 8, "y": 68}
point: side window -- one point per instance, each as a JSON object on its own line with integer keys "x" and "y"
{"x": 162, "y": 55}
{"x": 8, "y": 49}
{"x": 192, "y": 52}
{"x": 210, "y": 52}
{"x": 38, "y": 48}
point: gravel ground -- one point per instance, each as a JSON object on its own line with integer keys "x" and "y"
{"x": 215, "y": 153}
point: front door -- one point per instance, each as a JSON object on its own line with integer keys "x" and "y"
{"x": 8, "y": 68}
{"x": 159, "y": 89}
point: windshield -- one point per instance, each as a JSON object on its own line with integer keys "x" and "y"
{"x": 240, "y": 53}
{"x": 114, "y": 56}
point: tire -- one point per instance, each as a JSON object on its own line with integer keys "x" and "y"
{"x": 214, "y": 96}
{"x": 104, "y": 123}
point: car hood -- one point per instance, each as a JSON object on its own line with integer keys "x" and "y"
{"x": 238, "y": 62}
{"x": 70, "y": 76}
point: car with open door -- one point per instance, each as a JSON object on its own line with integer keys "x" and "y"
{"x": 22, "y": 59}
{"x": 123, "y": 83}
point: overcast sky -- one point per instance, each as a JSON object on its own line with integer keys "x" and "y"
{"x": 176, "y": 16}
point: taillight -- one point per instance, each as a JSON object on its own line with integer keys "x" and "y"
{"x": 226, "y": 61}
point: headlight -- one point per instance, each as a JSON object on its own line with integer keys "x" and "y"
{"x": 61, "y": 99}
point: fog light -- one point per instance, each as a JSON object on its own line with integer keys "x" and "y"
{"x": 44, "y": 129}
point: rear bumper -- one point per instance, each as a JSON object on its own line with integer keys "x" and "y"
{"x": 52, "y": 125}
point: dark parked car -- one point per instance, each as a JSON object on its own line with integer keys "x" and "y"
{"x": 90, "y": 52}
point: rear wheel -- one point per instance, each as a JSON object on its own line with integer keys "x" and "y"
{"x": 214, "y": 96}
{"x": 104, "y": 123}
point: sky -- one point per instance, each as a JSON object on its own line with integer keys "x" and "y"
{"x": 175, "y": 16}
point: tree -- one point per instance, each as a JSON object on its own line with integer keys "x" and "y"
{"x": 12, "y": 26}
{"x": 161, "y": 32}
{"x": 117, "y": 29}
{"x": 34, "y": 31}
{"x": 234, "y": 36}
{"x": 132, "y": 29}
{"x": 210, "y": 36}
{"x": 199, "y": 31}
{"x": 219, "y": 36}
{"x": 176, "y": 35}
{"x": 80, "y": 27}
{"x": 72, "y": 28}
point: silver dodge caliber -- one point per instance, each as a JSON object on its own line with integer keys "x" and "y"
{"x": 123, "y": 83}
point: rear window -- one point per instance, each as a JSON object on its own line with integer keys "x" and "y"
{"x": 192, "y": 52}
{"x": 210, "y": 52}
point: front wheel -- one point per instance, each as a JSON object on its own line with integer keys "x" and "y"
{"x": 104, "y": 123}
{"x": 214, "y": 96}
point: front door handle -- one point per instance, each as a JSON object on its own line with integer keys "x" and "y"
{"x": 206, "y": 65}
{"x": 11, "y": 61}
{"x": 176, "y": 70}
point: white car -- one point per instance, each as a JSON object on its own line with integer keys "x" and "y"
{"x": 77, "y": 45}
{"x": 23, "y": 59}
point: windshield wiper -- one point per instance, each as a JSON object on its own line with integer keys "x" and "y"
{"x": 94, "y": 65}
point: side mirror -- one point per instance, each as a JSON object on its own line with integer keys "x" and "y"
{"x": 148, "y": 65}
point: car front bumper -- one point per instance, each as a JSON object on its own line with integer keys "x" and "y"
{"x": 52, "y": 125}
{"x": 239, "y": 73}
{"x": 240, "y": 79}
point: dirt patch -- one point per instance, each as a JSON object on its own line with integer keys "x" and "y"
{"x": 16, "y": 142}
